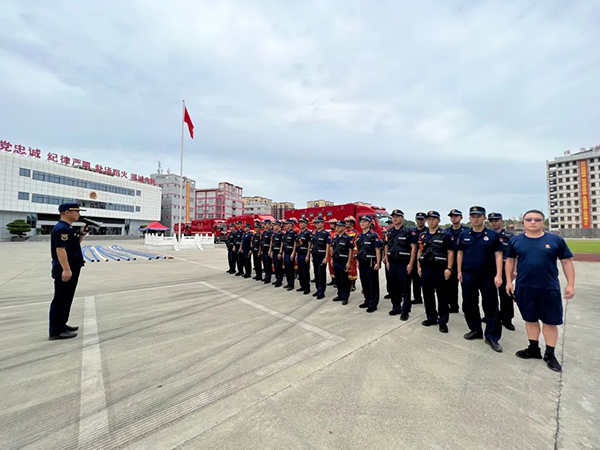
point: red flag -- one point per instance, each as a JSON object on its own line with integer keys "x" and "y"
{"x": 187, "y": 119}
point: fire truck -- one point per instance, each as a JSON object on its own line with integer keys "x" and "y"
{"x": 216, "y": 226}
{"x": 340, "y": 212}
{"x": 249, "y": 218}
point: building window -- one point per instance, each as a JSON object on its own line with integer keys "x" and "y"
{"x": 68, "y": 181}
{"x": 51, "y": 200}
{"x": 138, "y": 193}
{"x": 24, "y": 196}
{"x": 24, "y": 172}
{"x": 137, "y": 209}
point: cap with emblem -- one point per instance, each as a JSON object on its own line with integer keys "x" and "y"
{"x": 455, "y": 212}
{"x": 397, "y": 212}
{"x": 290, "y": 220}
{"x": 69, "y": 207}
{"x": 318, "y": 219}
{"x": 340, "y": 223}
{"x": 303, "y": 220}
{"x": 477, "y": 210}
{"x": 266, "y": 222}
{"x": 420, "y": 215}
{"x": 494, "y": 216}
{"x": 433, "y": 214}
{"x": 277, "y": 222}
{"x": 367, "y": 218}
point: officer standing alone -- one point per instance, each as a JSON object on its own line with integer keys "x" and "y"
{"x": 507, "y": 308}
{"x": 319, "y": 249}
{"x": 368, "y": 253}
{"x": 455, "y": 230}
{"x": 435, "y": 258}
{"x": 480, "y": 270}
{"x": 67, "y": 261}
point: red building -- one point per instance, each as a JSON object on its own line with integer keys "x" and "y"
{"x": 219, "y": 203}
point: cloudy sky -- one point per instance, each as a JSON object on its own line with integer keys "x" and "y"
{"x": 416, "y": 105}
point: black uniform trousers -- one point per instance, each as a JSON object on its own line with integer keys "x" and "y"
{"x": 415, "y": 280}
{"x": 240, "y": 261}
{"x": 268, "y": 265}
{"x": 388, "y": 287}
{"x": 434, "y": 283}
{"x": 303, "y": 272}
{"x": 257, "y": 261}
{"x": 507, "y": 305}
{"x": 60, "y": 308}
{"x": 341, "y": 280}
{"x": 397, "y": 286}
{"x": 453, "y": 289}
{"x": 472, "y": 284}
{"x": 290, "y": 275}
{"x": 278, "y": 264}
{"x": 231, "y": 259}
{"x": 247, "y": 257}
{"x": 320, "y": 273}
{"x": 369, "y": 279}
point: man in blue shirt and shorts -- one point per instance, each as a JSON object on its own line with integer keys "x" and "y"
{"x": 537, "y": 289}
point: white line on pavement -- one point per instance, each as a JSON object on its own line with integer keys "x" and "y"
{"x": 93, "y": 417}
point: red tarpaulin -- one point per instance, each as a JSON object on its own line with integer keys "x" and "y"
{"x": 156, "y": 226}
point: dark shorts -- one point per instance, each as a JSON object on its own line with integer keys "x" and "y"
{"x": 540, "y": 304}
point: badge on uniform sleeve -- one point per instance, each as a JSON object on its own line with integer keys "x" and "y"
{"x": 64, "y": 237}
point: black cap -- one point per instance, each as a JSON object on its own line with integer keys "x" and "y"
{"x": 421, "y": 215}
{"x": 477, "y": 210}
{"x": 247, "y": 225}
{"x": 433, "y": 214}
{"x": 318, "y": 219}
{"x": 367, "y": 217}
{"x": 494, "y": 216}
{"x": 397, "y": 212}
{"x": 290, "y": 220}
{"x": 69, "y": 207}
{"x": 257, "y": 225}
{"x": 303, "y": 219}
{"x": 455, "y": 212}
{"x": 340, "y": 223}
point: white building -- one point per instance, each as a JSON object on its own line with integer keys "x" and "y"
{"x": 257, "y": 205}
{"x": 573, "y": 184}
{"x": 170, "y": 184}
{"x": 32, "y": 188}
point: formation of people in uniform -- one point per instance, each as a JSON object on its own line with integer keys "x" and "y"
{"x": 427, "y": 259}
{"x": 425, "y": 265}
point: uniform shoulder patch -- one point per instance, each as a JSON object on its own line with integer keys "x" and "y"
{"x": 64, "y": 237}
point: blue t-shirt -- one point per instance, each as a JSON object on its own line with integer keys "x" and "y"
{"x": 64, "y": 236}
{"x": 479, "y": 251}
{"x": 536, "y": 259}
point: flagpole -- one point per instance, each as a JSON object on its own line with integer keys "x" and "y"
{"x": 181, "y": 173}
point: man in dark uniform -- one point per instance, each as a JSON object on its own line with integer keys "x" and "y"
{"x": 368, "y": 253}
{"x": 342, "y": 252}
{"x": 237, "y": 248}
{"x": 507, "y": 308}
{"x": 231, "y": 255}
{"x": 414, "y": 278}
{"x": 288, "y": 248}
{"x": 302, "y": 246}
{"x": 435, "y": 259}
{"x": 455, "y": 230}
{"x": 266, "y": 245}
{"x": 256, "y": 256}
{"x": 400, "y": 254}
{"x": 275, "y": 253}
{"x": 319, "y": 249}
{"x": 332, "y": 230}
{"x": 480, "y": 270}
{"x": 384, "y": 238}
{"x": 246, "y": 250}
{"x": 67, "y": 261}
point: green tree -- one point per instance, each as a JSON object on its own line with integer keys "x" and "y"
{"x": 18, "y": 227}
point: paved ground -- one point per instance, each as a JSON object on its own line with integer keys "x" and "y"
{"x": 178, "y": 354}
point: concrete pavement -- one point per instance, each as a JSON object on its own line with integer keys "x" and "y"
{"x": 178, "y": 354}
